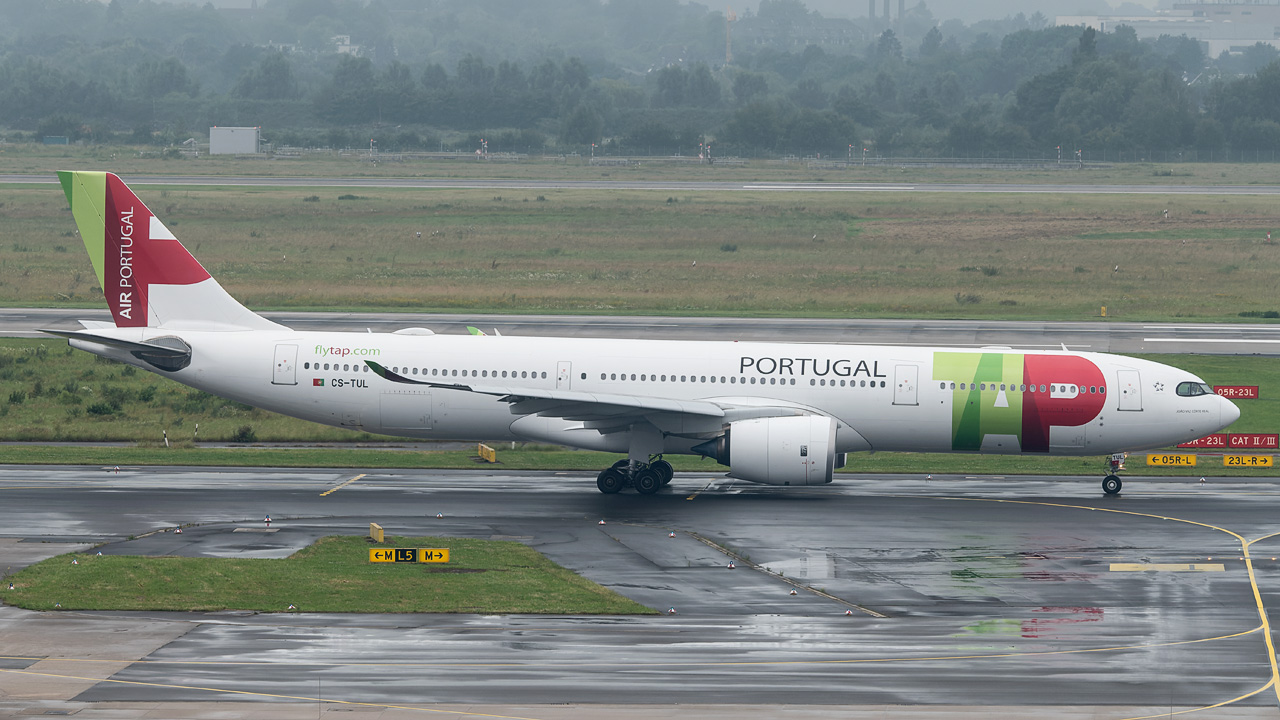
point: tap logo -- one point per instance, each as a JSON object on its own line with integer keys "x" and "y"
{"x": 989, "y": 396}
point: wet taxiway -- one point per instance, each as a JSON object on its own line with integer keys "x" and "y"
{"x": 996, "y": 596}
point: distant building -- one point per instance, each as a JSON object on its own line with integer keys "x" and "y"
{"x": 342, "y": 45}
{"x": 234, "y": 140}
{"x": 1219, "y": 26}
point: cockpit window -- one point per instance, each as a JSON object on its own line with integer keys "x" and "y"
{"x": 1192, "y": 389}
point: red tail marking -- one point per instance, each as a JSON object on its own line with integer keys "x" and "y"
{"x": 134, "y": 260}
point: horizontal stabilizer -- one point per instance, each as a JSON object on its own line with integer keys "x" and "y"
{"x": 130, "y": 345}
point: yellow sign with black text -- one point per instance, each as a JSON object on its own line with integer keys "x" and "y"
{"x": 409, "y": 555}
{"x": 1172, "y": 460}
{"x": 1248, "y": 460}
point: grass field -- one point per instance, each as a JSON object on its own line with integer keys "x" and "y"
{"x": 333, "y": 575}
{"x": 637, "y": 252}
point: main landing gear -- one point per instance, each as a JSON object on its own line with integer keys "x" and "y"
{"x": 646, "y": 478}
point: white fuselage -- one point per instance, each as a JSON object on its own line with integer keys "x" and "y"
{"x": 885, "y": 398}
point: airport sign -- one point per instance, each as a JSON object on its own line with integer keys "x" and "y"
{"x": 1236, "y": 441}
{"x": 1248, "y": 460}
{"x": 1237, "y": 392}
{"x": 1217, "y": 440}
{"x": 1172, "y": 460}
{"x": 1265, "y": 441}
{"x": 409, "y": 555}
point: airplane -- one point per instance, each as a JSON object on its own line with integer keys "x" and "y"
{"x": 774, "y": 413}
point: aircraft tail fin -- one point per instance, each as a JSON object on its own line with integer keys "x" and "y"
{"x": 148, "y": 277}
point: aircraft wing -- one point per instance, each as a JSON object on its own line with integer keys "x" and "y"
{"x": 567, "y": 404}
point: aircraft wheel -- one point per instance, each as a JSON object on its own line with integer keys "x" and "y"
{"x": 610, "y": 481}
{"x": 664, "y": 470}
{"x": 1111, "y": 485}
{"x": 647, "y": 481}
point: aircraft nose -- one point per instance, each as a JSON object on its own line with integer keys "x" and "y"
{"x": 1228, "y": 412}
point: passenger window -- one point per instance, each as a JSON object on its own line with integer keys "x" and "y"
{"x": 773, "y": 381}
{"x": 753, "y": 381}
{"x": 704, "y": 378}
{"x": 544, "y": 376}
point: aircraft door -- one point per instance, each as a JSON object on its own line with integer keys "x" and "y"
{"x": 286, "y": 365}
{"x": 904, "y": 385}
{"x": 1130, "y": 389}
{"x": 564, "y": 375}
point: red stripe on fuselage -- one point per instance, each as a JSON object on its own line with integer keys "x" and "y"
{"x": 1040, "y": 411}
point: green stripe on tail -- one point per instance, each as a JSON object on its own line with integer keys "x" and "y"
{"x": 87, "y": 194}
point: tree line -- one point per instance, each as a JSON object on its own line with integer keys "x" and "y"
{"x": 146, "y": 72}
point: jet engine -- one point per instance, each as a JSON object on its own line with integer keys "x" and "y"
{"x": 797, "y": 450}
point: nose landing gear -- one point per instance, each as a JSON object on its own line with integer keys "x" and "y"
{"x": 646, "y": 478}
{"x": 1111, "y": 484}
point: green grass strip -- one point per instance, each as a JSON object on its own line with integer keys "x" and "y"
{"x": 333, "y": 575}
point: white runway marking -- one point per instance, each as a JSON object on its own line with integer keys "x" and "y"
{"x": 831, "y": 188}
{"x": 1212, "y": 340}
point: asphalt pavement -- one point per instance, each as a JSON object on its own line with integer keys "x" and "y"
{"x": 948, "y": 596}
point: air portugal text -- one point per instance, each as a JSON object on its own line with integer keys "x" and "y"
{"x": 125, "y": 307}
{"x": 808, "y": 366}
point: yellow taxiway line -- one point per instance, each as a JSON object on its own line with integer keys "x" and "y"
{"x": 339, "y": 487}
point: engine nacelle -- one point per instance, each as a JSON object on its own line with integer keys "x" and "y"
{"x": 798, "y": 450}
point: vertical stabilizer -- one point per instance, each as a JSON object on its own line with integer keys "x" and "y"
{"x": 148, "y": 277}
